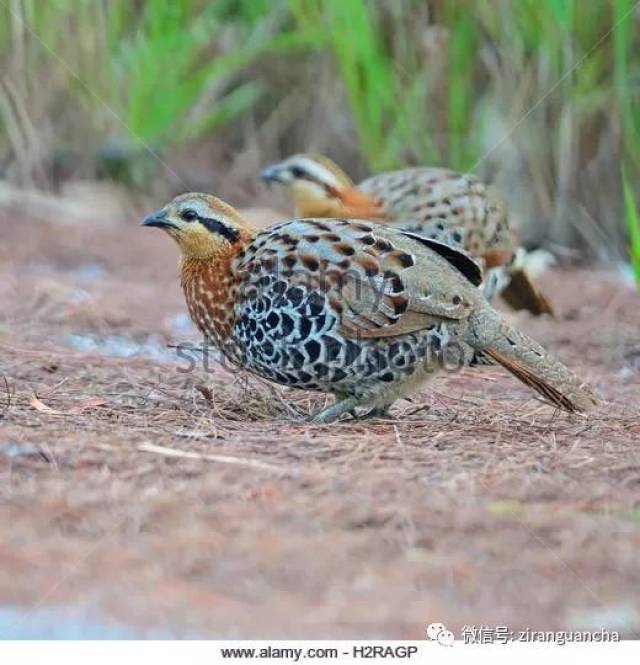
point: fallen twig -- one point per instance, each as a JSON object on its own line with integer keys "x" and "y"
{"x": 8, "y": 391}
{"x": 221, "y": 459}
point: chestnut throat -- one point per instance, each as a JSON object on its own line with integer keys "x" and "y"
{"x": 210, "y": 289}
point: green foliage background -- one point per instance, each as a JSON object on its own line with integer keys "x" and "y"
{"x": 450, "y": 82}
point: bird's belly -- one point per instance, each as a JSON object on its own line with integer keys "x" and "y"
{"x": 326, "y": 360}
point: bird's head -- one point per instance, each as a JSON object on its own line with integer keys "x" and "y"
{"x": 315, "y": 174}
{"x": 317, "y": 186}
{"x": 203, "y": 226}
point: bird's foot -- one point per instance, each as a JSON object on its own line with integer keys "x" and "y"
{"x": 348, "y": 405}
{"x": 378, "y": 412}
{"x": 332, "y": 413}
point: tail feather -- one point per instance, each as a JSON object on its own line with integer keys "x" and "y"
{"x": 531, "y": 364}
{"x": 529, "y": 378}
{"x": 520, "y": 293}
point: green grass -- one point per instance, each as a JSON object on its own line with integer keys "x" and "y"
{"x": 532, "y": 47}
{"x": 179, "y": 86}
{"x": 544, "y": 86}
{"x": 626, "y": 70}
{"x": 168, "y": 69}
{"x": 632, "y": 219}
{"x": 460, "y": 98}
{"x": 350, "y": 32}
{"x": 154, "y": 71}
{"x": 159, "y": 65}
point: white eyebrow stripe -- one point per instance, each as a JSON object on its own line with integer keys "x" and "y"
{"x": 317, "y": 171}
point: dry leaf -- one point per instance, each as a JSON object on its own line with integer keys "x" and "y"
{"x": 38, "y": 405}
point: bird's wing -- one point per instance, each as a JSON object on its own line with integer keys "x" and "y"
{"x": 383, "y": 283}
{"x": 458, "y": 258}
{"x": 455, "y": 208}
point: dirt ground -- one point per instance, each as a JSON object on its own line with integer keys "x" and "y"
{"x": 476, "y": 505}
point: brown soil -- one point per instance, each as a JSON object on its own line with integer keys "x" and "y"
{"x": 476, "y": 505}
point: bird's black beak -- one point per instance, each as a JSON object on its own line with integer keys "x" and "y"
{"x": 271, "y": 174}
{"x": 159, "y": 219}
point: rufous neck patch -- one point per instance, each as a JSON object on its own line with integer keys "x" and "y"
{"x": 338, "y": 202}
{"x": 358, "y": 205}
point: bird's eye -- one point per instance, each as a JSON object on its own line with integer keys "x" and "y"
{"x": 297, "y": 172}
{"x": 189, "y": 215}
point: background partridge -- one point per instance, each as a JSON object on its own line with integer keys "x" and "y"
{"x": 457, "y": 209}
{"x": 355, "y": 308}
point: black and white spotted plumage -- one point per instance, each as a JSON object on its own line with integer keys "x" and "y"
{"x": 296, "y": 322}
{"x": 455, "y": 208}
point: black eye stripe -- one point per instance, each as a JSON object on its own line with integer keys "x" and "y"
{"x": 216, "y": 226}
{"x": 301, "y": 174}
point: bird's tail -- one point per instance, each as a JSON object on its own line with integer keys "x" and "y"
{"x": 519, "y": 293}
{"x": 513, "y": 281}
{"x": 530, "y": 363}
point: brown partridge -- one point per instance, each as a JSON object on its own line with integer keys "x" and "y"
{"x": 454, "y": 208}
{"x": 358, "y": 309}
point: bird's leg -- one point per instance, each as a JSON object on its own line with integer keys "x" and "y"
{"x": 339, "y": 397}
{"x": 345, "y": 404}
{"x": 333, "y": 412}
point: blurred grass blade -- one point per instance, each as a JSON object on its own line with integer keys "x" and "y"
{"x": 632, "y": 219}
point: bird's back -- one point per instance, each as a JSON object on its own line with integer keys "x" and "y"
{"x": 456, "y": 208}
